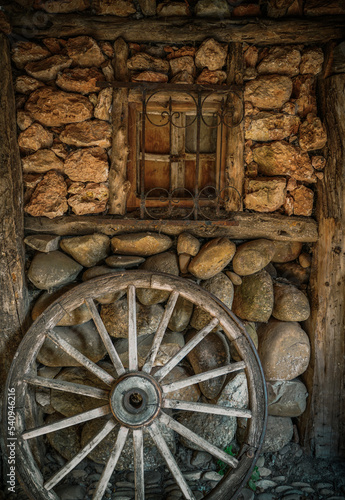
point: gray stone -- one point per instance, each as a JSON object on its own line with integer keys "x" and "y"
{"x": 253, "y": 299}
{"x": 322, "y": 485}
{"x": 189, "y": 393}
{"x": 71, "y": 491}
{"x": 88, "y": 250}
{"x": 246, "y": 494}
{"x": 286, "y": 398}
{"x": 211, "y": 353}
{"x": 164, "y": 263}
{"x": 284, "y": 349}
{"x": 78, "y": 316}
{"x": 65, "y": 441}
{"x": 152, "y": 477}
{"x": 213, "y": 257}
{"x": 212, "y": 476}
{"x": 283, "y": 488}
{"x": 115, "y": 318}
{"x": 290, "y": 304}
{"x": 85, "y": 338}
{"x": 264, "y": 472}
{"x": 200, "y": 458}
{"x": 181, "y": 315}
{"x": 48, "y": 270}
{"x": 220, "y": 286}
{"x": 265, "y": 484}
{"x": 100, "y": 454}
{"x": 252, "y": 256}
{"x": 43, "y": 242}
{"x": 286, "y": 251}
{"x": 123, "y": 261}
{"x": 279, "y": 432}
{"x": 143, "y": 244}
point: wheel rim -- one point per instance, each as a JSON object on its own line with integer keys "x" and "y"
{"x": 136, "y": 398}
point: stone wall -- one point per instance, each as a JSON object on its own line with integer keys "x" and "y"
{"x": 262, "y": 281}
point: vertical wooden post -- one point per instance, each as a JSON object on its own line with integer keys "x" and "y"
{"x": 118, "y": 185}
{"x": 234, "y": 168}
{"x": 323, "y": 424}
{"x": 13, "y": 295}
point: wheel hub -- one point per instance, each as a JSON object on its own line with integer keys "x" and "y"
{"x": 135, "y": 399}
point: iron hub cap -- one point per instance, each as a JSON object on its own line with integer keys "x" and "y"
{"x": 135, "y": 399}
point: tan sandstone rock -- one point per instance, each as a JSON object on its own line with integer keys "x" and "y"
{"x": 311, "y": 61}
{"x": 268, "y": 92}
{"x": 144, "y": 62}
{"x": 171, "y": 9}
{"x": 88, "y": 164}
{"x": 91, "y": 198}
{"x": 87, "y": 133}
{"x": 49, "y": 197}
{"x": 187, "y": 243}
{"x": 303, "y": 201}
{"x": 265, "y": 194}
{"x": 290, "y": 303}
{"x": 54, "y": 108}
{"x": 280, "y": 60}
{"x": 185, "y": 63}
{"x": 312, "y": 134}
{"x": 25, "y": 52}
{"x": 83, "y": 80}
{"x": 304, "y": 94}
{"x": 211, "y": 77}
{"x": 281, "y": 158}
{"x": 271, "y": 126}
{"x": 103, "y": 107}
{"x": 182, "y": 77}
{"x": 25, "y": 84}
{"x": 84, "y": 51}
{"x": 144, "y": 244}
{"x": 250, "y": 56}
{"x": 253, "y": 299}
{"x": 35, "y": 137}
{"x": 47, "y": 69}
{"x": 65, "y": 6}
{"x": 211, "y": 55}
{"x": 149, "y": 76}
{"x": 24, "y": 119}
{"x": 252, "y": 256}
{"x": 42, "y": 161}
{"x": 305, "y": 260}
{"x": 88, "y": 250}
{"x": 212, "y": 8}
{"x": 121, "y": 8}
{"x": 212, "y": 258}
{"x": 284, "y": 349}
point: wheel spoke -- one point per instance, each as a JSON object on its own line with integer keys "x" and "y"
{"x": 162, "y": 372}
{"x": 67, "y": 422}
{"x": 202, "y": 443}
{"x": 201, "y": 377}
{"x": 115, "y": 358}
{"x": 108, "y": 427}
{"x": 150, "y": 359}
{"x": 138, "y": 446}
{"x": 61, "y": 385}
{"x": 206, "y": 408}
{"x": 163, "y": 448}
{"x": 132, "y": 330}
{"x": 83, "y": 360}
{"x": 111, "y": 463}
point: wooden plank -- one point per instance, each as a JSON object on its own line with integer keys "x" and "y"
{"x": 206, "y": 408}
{"x": 242, "y": 225}
{"x": 132, "y": 330}
{"x": 234, "y": 164}
{"x": 138, "y": 449}
{"x": 62, "y": 385}
{"x": 182, "y": 30}
{"x": 13, "y": 297}
{"x": 323, "y": 424}
{"x": 118, "y": 183}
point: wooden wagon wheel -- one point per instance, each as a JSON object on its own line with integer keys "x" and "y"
{"x": 136, "y": 398}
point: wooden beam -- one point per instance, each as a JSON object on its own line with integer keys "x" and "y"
{"x": 118, "y": 185}
{"x": 13, "y": 296}
{"x": 323, "y": 424}
{"x": 182, "y": 30}
{"x": 234, "y": 168}
{"x": 241, "y": 226}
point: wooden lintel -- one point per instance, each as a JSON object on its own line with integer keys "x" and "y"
{"x": 242, "y": 226}
{"x": 181, "y": 30}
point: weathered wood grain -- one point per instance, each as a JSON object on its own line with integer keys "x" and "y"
{"x": 118, "y": 184}
{"x": 241, "y": 226}
{"x": 323, "y": 424}
{"x": 182, "y": 30}
{"x": 13, "y": 297}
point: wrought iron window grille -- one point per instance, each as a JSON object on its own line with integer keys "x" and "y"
{"x": 214, "y": 107}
